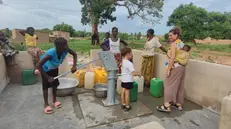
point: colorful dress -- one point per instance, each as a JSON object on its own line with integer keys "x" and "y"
{"x": 32, "y": 48}
{"x": 147, "y": 70}
{"x": 115, "y": 49}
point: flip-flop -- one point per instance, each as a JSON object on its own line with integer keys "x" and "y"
{"x": 48, "y": 110}
{"x": 57, "y": 104}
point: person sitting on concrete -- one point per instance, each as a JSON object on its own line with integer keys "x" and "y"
{"x": 49, "y": 67}
{"x": 31, "y": 44}
{"x": 128, "y": 71}
{"x": 7, "y": 48}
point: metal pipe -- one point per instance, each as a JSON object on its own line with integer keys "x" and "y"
{"x": 111, "y": 87}
{"x": 79, "y": 67}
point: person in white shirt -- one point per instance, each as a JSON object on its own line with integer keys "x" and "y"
{"x": 114, "y": 46}
{"x": 147, "y": 70}
{"x": 127, "y": 74}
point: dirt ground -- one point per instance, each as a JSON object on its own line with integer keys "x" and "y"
{"x": 212, "y": 56}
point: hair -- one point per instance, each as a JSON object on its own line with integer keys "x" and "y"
{"x": 176, "y": 31}
{"x": 60, "y": 42}
{"x": 29, "y": 28}
{"x": 107, "y": 33}
{"x": 151, "y": 31}
{"x": 125, "y": 51}
{"x": 187, "y": 47}
{"x": 114, "y": 28}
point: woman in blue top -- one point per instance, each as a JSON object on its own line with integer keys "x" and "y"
{"x": 48, "y": 67}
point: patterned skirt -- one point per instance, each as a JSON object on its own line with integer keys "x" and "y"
{"x": 147, "y": 70}
{"x": 35, "y": 52}
{"x": 118, "y": 61}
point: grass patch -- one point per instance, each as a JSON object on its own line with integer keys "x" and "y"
{"x": 82, "y": 46}
{"x": 210, "y": 47}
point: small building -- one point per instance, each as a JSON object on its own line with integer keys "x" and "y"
{"x": 57, "y": 34}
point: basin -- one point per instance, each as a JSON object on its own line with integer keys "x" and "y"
{"x": 67, "y": 86}
{"x": 100, "y": 90}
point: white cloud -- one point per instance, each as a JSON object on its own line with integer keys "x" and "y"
{"x": 47, "y": 13}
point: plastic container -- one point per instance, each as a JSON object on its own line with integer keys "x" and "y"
{"x": 140, "y": 82}
{"x": 100, "y": 75}
{"x": 80, "y": 75}
{"x": 89, "y": 80}
{"x": 28, "y": 77}
{"x": 156, "y": 87}
{"x": 134, "y": 93}
{"x": 118, "y": 86}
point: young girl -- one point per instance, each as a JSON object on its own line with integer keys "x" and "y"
{"x": 128, "y": 72}
{"x": 48, "y": 67}
{"x": 31, "y": 43}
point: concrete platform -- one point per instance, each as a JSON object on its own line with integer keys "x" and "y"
{"x": 95, "y": 113}
{"x": 150, "y": 125}
{"x": 22, "y": 108}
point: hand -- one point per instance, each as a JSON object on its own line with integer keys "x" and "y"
{"x": 168, "y": 73}
{"x": 73, "y": 69}
{"x": 51, "y": 79}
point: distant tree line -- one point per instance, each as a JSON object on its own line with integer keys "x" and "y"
{"x": 198, "y": 23}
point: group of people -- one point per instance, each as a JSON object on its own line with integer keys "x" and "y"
{"x": 177, "y": 54}
{"x": 47, "y": 63}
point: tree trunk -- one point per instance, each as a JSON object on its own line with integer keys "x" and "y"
{"x": 95, "y": 33}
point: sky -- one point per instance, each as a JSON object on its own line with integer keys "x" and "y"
{"x": 47, "y": 13}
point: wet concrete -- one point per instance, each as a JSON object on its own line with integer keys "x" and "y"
{"x": 21, "y": 107}
{"x": 95, "y": 113}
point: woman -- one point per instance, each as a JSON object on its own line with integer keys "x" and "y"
{"x": 147, "y": 70}
{"x": 174, "y": 82}
{"x": 114, "y": 46}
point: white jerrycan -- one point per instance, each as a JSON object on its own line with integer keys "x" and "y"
{"x": 140, "y": 82}
{"x": 89, "y": 80}
{"x": 119, "y": 88}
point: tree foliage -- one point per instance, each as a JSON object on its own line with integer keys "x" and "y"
{"x": 100, "y": 11}
{"x": 198, "y": 23}
{"x": 64, "y": 27}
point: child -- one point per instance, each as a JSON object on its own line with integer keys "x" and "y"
{"x": 182, "y": 55}
{"x": 48, "y": 67}
{"x": 105, "y": 45}
{"x": 6, "y": 47}
{"x": 31, "y": 44}
{"x": 128, "y": 72}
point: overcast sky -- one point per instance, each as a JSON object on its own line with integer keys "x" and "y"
{"x": 47, "y": 13}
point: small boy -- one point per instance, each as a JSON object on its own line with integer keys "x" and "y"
{"x": 31, "y": 44}
{"x": 127, "y": 74}
{"x": 182, "y": 55}
{"x": 48, "y": 67}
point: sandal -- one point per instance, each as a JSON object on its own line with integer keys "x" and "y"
{"x": 163, "y": 108}
{"x": 57, "y": 104}
{"x": 48, "y": 110}
{"x": 178, "y": 106}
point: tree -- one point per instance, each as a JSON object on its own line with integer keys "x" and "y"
{"x": 98, "y": 12}
{"x": 197, "y": 23}
{"x": 64, "y": 27}
{"x": 7, "y": 32}
{"x": 139, "y": 35}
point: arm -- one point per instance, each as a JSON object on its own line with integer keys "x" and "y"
{"x": 172, "y": 56}
{"x": 22, "y": 32}
{"x": 163, "y": 49}
{"x": 123, "y": 42}
{"x": 73, "y": 69}
{"x": 40, "y": 63}
{"x": 135, "y": 73}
